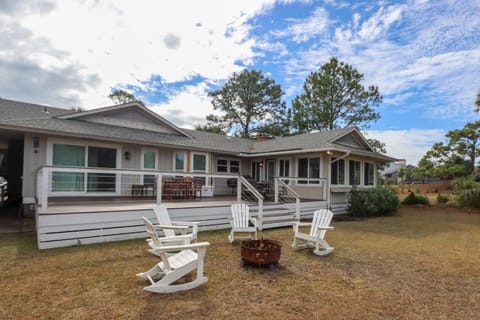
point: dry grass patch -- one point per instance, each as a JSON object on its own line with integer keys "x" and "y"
{"x": 422, "y": 263}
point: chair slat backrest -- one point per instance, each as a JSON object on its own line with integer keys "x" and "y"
{"x": 151, "y": 232}
{"x": 321, "y": 218}
{"x": 164, "y": 219}
{"x": 240, "y": 214}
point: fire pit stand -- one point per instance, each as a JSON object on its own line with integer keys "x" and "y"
{"x": 261, "y": 253}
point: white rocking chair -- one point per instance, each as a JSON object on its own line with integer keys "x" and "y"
{"x": 175, "y": 266}
{"x": 169, "y": 227}
{"x": 155, "y": 241}
{"x": 240, "y": 222}
{"x": 316, "y": 238}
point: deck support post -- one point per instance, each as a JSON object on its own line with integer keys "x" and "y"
{"x": 44, "y": 191}
{"x": 276, "y": 189}
{"x": 159, "y": 189}
{"x": 239, "y": 189}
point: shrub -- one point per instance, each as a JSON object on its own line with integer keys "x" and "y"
{"x": 413, "y": 199}
{"x": 442, "y": 199}
{"x": 373, "y": 202}
{"x": 467, "y": 191}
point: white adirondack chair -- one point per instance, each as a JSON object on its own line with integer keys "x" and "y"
{"x": 316, "y": 238}
{"x": 169, "y": 227}
{"x": 240, "y": 222}
{"x": 155, "y": 241}
{"x": 173, "y": 267}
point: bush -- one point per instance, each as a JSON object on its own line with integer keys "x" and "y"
{"x": 413, "y": 199}
{"x": 373, "y": 202}
{"x": 442, "y": 199}
{"x": 467, "y": 191}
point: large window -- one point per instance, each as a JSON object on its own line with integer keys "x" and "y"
{"x": 179, "y": 161}
{"x": 228, "y": 165}
{"x": 149, "y": 162}
{"x": 309, "y": 168}
{"x": 199, "y": 162}
{"x": 354, "y": 172}
{"x": 284, "y": 170}
{"x": 72, "y": 156}
{"x": 84, "y": 157}
{"x": 369, "y": 174}
{"x": 338, "y": 172}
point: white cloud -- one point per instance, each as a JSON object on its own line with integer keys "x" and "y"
{"x": 306, "y": 29}
{"x": 123, "y": 42}
{"x": 411, "y": 144}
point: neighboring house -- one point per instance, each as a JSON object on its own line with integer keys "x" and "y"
{"x": 91, "y": 175}
{"x": 390, "y": 173}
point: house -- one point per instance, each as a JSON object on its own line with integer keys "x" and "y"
{"x": 90, "y": 176}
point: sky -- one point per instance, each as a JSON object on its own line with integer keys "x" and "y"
{"x": 423, "y": 55}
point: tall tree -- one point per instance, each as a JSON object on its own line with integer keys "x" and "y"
{"x": 334, "y": 98}
{"x": 249, "y": 103}
{"x": 465, "y": 142}
{"x": 120, "y": 96}
{"x": 377, "y": 145}
{"x": 477, "y": 102}
{"x": 210, "y": 128}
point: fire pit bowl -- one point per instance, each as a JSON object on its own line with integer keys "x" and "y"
{"x": 261, "y": 252}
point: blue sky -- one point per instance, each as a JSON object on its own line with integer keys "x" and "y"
{"x": 423, "y": 55}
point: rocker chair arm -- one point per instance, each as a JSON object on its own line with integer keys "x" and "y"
{"x": 325, "y": 228}
{"x": 160, "y": 227}
{"x": 186, "y": 223}
{"x": 197, "y": 245}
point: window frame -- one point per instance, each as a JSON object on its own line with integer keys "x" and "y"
{"x": 118, "y": 164}
{"x": 174, "y": 164}
{"x": 309, "y": 183}
{"x": 338, "y": 171}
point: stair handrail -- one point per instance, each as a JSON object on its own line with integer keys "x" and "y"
{"x": 244, "y": 182}
{"x": 279, "y": 182}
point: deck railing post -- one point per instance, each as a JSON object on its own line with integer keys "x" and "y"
{"x": 159, "y": 189}
{"x": 297, "y": 209}
{"x": 44, "y": 188}
{"x": 239, "y": 189}
{"x": 276, "y": 189}
{"x": 260, "y": 214}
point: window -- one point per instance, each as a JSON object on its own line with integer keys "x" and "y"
{"x": 309, "y": 168}
{"x": 149, "y": 162}
{"x": 199, "y": 162}
{"x": 179, "y": 161}
{"x": 78, "y": 156}
{"x": 222, "y": 165}
{"x": 337, "y": 172}
{"x": 284, "y": 170}
{"x": 369, "y": 174}
{"x": 226, "y": 165}
{"x": 234, "y": 166}
{"x": 68, "y": 155}
{"x": 354, "y": 172}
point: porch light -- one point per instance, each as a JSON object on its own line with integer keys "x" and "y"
{"x": 329, "y": 152}
{"x": 127, "y": 155}
{"x": 36, "y": 144}
{"x": 260, "y": 164}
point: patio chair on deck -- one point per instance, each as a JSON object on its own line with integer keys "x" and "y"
{"x": 173, "y": 267}
{"x": 316, "y": 238}
{"x": 169, "y": 227}
{"x": 242, "y": 222}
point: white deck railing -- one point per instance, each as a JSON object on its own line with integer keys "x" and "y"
{"x": 63, "y": 181}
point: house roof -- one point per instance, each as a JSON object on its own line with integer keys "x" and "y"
{"x": 26, "y": 117}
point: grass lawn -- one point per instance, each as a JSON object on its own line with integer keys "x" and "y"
{"x": 423, "y": 263}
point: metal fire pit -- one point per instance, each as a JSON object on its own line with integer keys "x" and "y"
{"x": 261, "y": 252}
